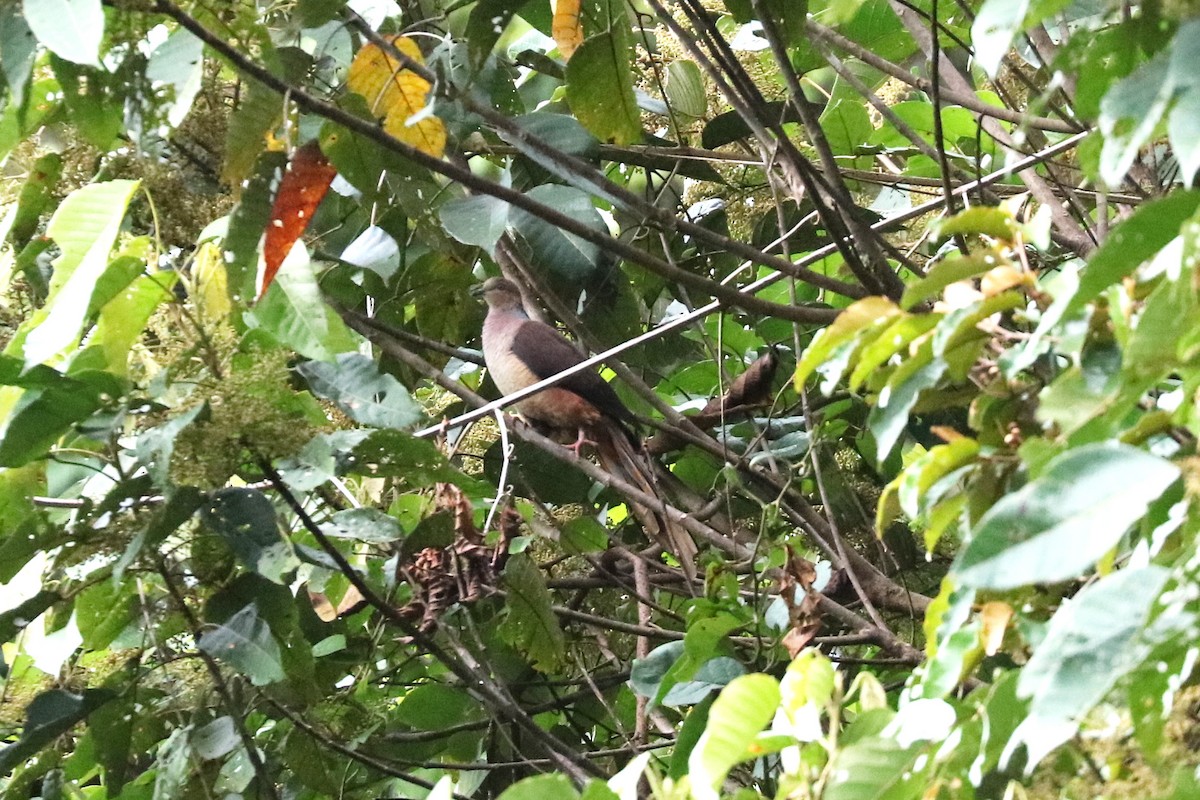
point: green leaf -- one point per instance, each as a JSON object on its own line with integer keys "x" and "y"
{"x": 553, "y": 251}
{"x": 944, "y": 273}
{"x": 244, "y": 641}
{"x": 1060, "y": 524}
{"x": 1092, "y": 642}
{"x": 49, "y": 715}
{"x": 737, "y": 716}
{"x": 530, "y": 624}
{"x": 355, "y": 384}
{"x": 478, "y": 220}
{"x": 485, "y": 26}
{"x": 216, "y": 739}
{"x": 845, "y": 120}
{"x": 44, "y": 413}
{"x": 296, "y": 314}
{"x": 1129, "y": 113}
{"x": 72, "y": 29}
{"x": 93, "y": 100}
{"x": 709, "y": 677}
{"x": 104, "y": 610}
{"x": 647, "y": 673}
{"x": 1144, "y": 233}
{"x": 541, "y": 787}
{"x": 1184, "y": 116}
{"x": 123, "y": 319}
{"x": 860, "y": 316}
{"x": 246, "y": 520}
{"x": 247, "y": 222}
{"x": 85, "y": 227}
{"x": 177, "y": 65}
{"x": 35, "y": 198}
{"x": 364, "y": 525}
{"x": 685, "y": 88}
{"x": 889, "y": 415}
{"x": 417, "y": 462}
{"x": 18, "y": 52}
{"x": 874, "y": 768}
{"x": 432, "y": 707}
{"x": 600, "y": 89}
{"x": 260, "y": 109}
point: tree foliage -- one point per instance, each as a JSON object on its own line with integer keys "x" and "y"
{"x": 904, "y": 293}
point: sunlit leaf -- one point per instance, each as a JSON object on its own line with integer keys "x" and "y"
{"x": 1057, "y": 526}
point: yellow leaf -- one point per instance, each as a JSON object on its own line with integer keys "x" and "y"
{"x": 566, "y": 27}
{"x": 376, "y": 75}
{"x": 398, "y": 95}
{"x": 210, "y": 289}
{"x": 427, "y": 134}
{"x": 995, "y": 617}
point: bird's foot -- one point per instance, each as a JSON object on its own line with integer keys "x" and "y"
{"x": 579, "y": 443}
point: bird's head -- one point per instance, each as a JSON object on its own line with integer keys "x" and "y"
{"x": 499, "y": 293}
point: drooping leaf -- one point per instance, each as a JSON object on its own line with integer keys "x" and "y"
{"x": 305, "y": 182}
{"x": 740, "y": 712}
{"x": 246, "y": 520}
{"x": 1058, "y": 525}
{"x": 553, "y": 251}
{"x": 367, "y": 395}
{"x": 244, "y": 641}
{"x": 531, "y": 625}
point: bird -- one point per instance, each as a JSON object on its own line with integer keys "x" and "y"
{"x": 520, "y": 351}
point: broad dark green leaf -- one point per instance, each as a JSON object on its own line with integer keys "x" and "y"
{"x": 553, "y": 251}
{"x": 246, "y": 520}
{"x": 433, "y": 706}
{"x": 1059, "y": 525}
{"x": 104, "y": 610}
{"x": 478, "y": 220}
{"x": 355, "y": 385}
{"x": 541, "y": 787}
{"x": 244, "y": 641}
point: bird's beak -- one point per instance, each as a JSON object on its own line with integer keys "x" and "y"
{"x": 476, "y": 290}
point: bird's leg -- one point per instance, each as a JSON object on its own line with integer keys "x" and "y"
{"x": 580, "y": 441}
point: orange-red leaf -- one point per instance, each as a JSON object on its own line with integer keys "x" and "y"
{"x": 300, "y": 192}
